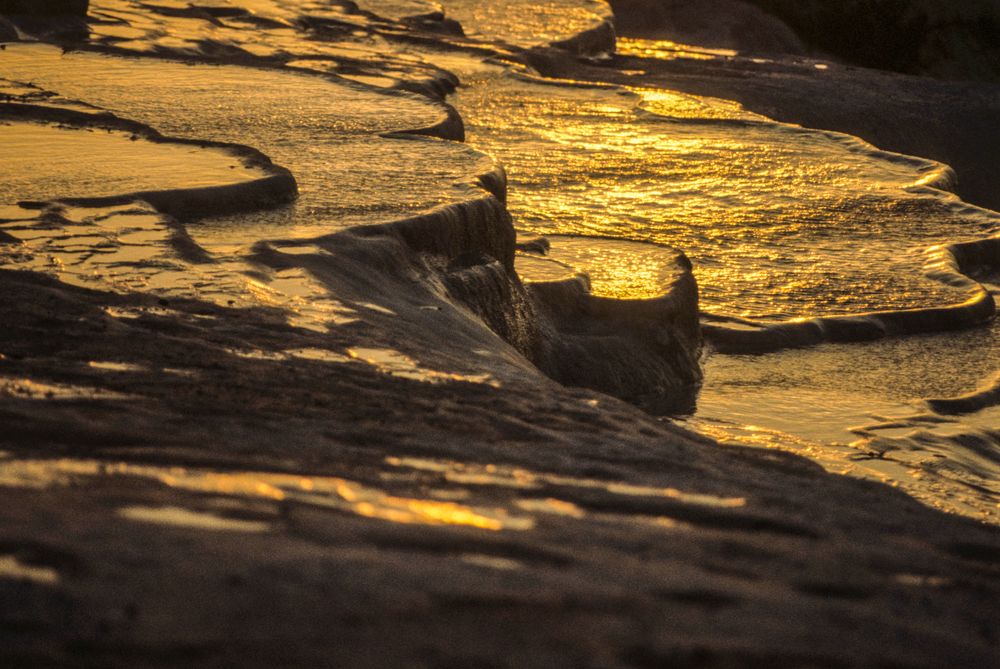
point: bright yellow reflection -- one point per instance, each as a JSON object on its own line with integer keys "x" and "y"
{"x": 173, "y": 515}
{"x": 616, "y": 268}
{"x": 14, "y": 569}
{"x": 528, "y": 22}
{"x": 519, "y": 478}
{"x": 667, "y": 50}
{"x": 779, "y": 221}
{"x": 321, "y": 491}
{"x": 28, "y": 389}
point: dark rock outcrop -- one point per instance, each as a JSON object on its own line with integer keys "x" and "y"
{"x": 925, "y": 37}
{"x": 643, "y": 351}
{"x": 8, "y": 33}
{"x": 44, "y": 7}
{"x": 952, "y": 40}
{"x": 56, "y": 20}
{"x": 720, "y": 24}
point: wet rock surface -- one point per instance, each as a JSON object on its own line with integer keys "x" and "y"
{"x": 321, "y": 435}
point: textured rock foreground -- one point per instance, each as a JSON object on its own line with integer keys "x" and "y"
{"x": 356, "y": 463}
{"x": 233, "y": 495}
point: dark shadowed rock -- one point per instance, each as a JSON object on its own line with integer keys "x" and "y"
{"x": 44, "y": 7}
{"x": 925, "y": 37}
{"x": 8, "y": 33}
{"x": 720, "y": 24}
{"x": 950, "y": 40}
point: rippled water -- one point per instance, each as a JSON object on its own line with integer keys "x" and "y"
{"x": 326, "y": 132}
{"x": 780, "y": 222}
{"x": 525, "y": 23}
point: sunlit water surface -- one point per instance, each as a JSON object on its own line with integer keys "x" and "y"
{"x": 780, "y": 222}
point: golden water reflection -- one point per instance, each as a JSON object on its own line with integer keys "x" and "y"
{"x": 615, "y": 268}
{"x": 528, "y": 23}
{"x": 667, "y": 50}
{"x": 780, "y": 222}
{"x": 938, "y": 477}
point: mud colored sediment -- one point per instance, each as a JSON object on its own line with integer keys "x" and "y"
{"x": 627, "y": 350}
